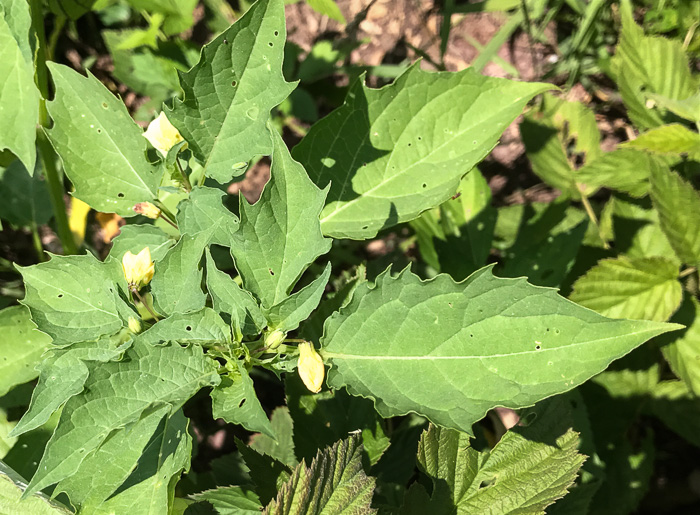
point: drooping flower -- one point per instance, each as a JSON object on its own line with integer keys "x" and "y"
{"x": 138, "y": 269}
{"x": 162, "y": 134}
{"x": 310, "y": 367}
{"x": 147, "y": 209}
{"x": 134, "y": 325}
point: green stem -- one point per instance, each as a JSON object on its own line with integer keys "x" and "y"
{"x": 46, "y": 151}
{"x": 687, "y": 272}
{"x": 185, "y": 180}
{"x": 145, "y": 304}
{"x": 37, "y": 243}
{"x": 55, "y": 184}
{"x": 166, "y": 212}
{"x": 591, "y": 214}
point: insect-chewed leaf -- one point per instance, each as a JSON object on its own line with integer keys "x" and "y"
{"x": 481, "y": 343}
{"x": 102, "y": 149}
{"x": 224, "y": 114}
{"x": 280, "y": 235}
{"x": 116, "y": 395}
{"x": 389, "y": 154}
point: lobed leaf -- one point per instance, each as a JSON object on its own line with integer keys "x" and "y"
{"x": 391, "y": 153}
{"x": 231, "y": 500}
{"x": 21, "y": 347}
{"x": 280, "y": 235}
{"x": 19, "y": 97}
{"x": 134, "y": 238}
{"x": 11, "y": 487}
{"x": 235, "y": 401}
{"x": 75, "y": 298}
{"x": 225, "y": 110}
{"x": 481, "y": 343}
{"x": 116, "y": 395}
{"x": 102, "y": 149}
{"x": 204, "y": 211}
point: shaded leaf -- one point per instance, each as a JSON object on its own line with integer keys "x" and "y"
{"x": 204, "y": 211}
{"x": 281, "y": 448}
{"x": 11, "y": 487}
{"x": 25, "y": 196}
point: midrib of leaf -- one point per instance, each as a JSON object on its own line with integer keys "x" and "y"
{"x": 243, "y": 74}
{"x": 64, "y": 292}
{"x": 401, "y": 173}
{"x": 490, "y": 356}
{"x": 119, "y": 151}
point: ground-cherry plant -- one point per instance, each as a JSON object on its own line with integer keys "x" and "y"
{"x": 127, "y": 341}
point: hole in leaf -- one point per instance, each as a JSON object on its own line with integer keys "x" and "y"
{"x": 120, "y": 195}
{"x": 538, "y": 347}
{"x": 104, "y": 104}
{"x": 271, "y": 44}
{"x": 364, "y": 227}
{"x": 271, "y": 272}
{"x": 234, "y": 83}
{"x": 240, "y": 404}
{"x": 188, "y": 328}
{"x": 425, "y": 185}
{"x": 99, "y": 131}
{"x": 60, "y": 295}
{"x": 277, "y": 33}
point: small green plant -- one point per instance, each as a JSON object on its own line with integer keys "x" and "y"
{"x": 129, "y": 342}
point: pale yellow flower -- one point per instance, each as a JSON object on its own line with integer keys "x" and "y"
{"x": 310, "y": 367}
{"x": 138, "y": 269}
{"x": 162, "y": 134}
{"x": 134, "y": 325}
{"x": 147, "y": 209}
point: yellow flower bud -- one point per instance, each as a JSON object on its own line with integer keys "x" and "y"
{"x": 147, "y": 209}
{"x": 134, "y": 325}
{"x": 138, "y": 269}
{"x": 162, "y": 134}
{"x": 310, "y": 367}
{"x": 274, "y": 339}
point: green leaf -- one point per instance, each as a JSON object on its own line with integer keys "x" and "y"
{"x": 280, "y": 448}
{"x": 63, "y": 373}
{"x": 235, "y": 401}
{"x": 637, "y": 230}
{"x": 224, "y": 113}
{"x": 204, "y": 211}
{"x": 521, "y": 474}
{"x": 647, "y": 65}
{"x": 391, "y": 153}
{"x": 72, "y": 9}
{"x": 327, "y": 8}
{"x": 329, "y": 416}
{"x": 132, "y": 471}
{"x": 19, "y": 97}
{"x": 624, "y": 169}
{"x": 177, "y": 283}
{"x": 557, "y": 136}
{"x": 134, "y": 238}
{"x": 21, "y": 347}
{"x": 178, "y": 13}
{"x": 333, "y": 483}
{"x": 268, "y": 474}
{"x": 290, "y": 312}
{"x": 682, "y": 350}
{"x": 233, "y": 303}
{"x": 116, "y": 395}
{"x": 102, "y": 149}
{"x": 280, "y": 235}
{"x": 688, "y": 108}
{"x": 667, "y": 139}
{"x": 11, "y": 487}
{"x": 26, "y": 197}
{"x": 204, "y": 327}
{"x": 546, "y": 247}
{"x": 75, "y": 298}
{"x": 481, "y": 343}
{"x": 637, "y": 288}
{"x": 231, "y": 500}
{"x": 678, "y": 205}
